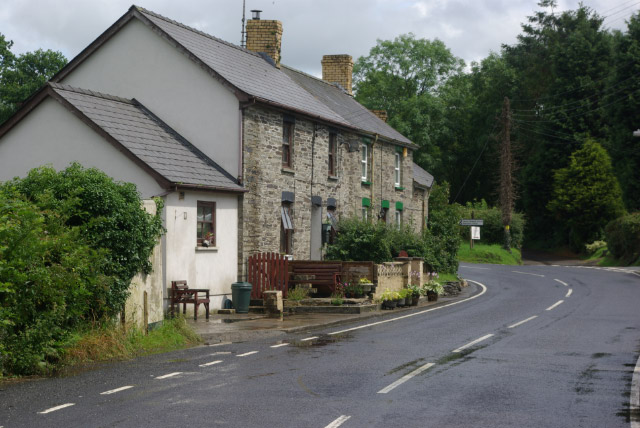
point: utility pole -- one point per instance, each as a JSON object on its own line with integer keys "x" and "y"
{"x": 243, "y": 38}
{"x": 507, "y": 167}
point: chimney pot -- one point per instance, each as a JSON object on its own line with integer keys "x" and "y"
{"x": 255, "y": 14}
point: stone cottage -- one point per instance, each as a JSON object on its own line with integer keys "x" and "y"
{"x": 260, "y": 153}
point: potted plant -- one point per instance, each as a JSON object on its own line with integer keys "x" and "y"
{"x": 432, "y": 289}
{"x": 415, "y": 291}
{"x": 366, "y": 284}
{"x": 408, "y": 297}
{"x": 402, "y": 297}
{"x": 389, "y": 299}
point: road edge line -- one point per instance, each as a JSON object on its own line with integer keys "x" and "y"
{"x": 634, "y": 400}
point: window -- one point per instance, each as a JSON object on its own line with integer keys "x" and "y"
{"x": 366, "y": 204}
{"x": 333, "y": 149}
{"x": 398, "y": 169}
{"x": 206, "y": 225}
{"x": 384, "y": 211}
{"x": 286, "y": 229}
{"x": 333, "y": 220}
{"x": 365, "y": 161}
{"x": 287, "y": 143}
{"x": 398, "y": 219}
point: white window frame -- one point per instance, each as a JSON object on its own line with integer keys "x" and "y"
{"x": 364, "y": 161}
{"x": 398, "y": 170}
{"x": 365, "y": 213}
{"x": 398, "y": 219}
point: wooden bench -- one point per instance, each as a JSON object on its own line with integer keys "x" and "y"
{"x": 180, "y": 293}
{"x": 323, "y": 276}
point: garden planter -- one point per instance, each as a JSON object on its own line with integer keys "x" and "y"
{"x": 408, "y": 301}
{"x": 366, "y": 287}
{"x": 401, "y": 302}
{"x": 389, "y": 304}
{"x": 415, "y": 300}
{"x": 432, "y": 296}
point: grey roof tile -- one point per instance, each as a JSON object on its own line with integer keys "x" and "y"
{"x": 422, "y": 177}
{"x": 150, "y": 140}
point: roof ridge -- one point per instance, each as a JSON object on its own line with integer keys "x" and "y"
{"x": 295, "y": 70}
{"x": 195, "y": 30}
{"x": 69, "y": 88}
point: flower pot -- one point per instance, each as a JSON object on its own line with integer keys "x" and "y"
{"x": 366, "y": 287}
{"x": 414, "y": 301}
{"x": 401, "y": 302}
{"x": 432, "y": 296}
{"x": 408, "y": 301}
{"x": 389, "y": 304}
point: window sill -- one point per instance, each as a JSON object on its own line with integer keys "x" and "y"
{"x": 399, "y": 188}
{"x": 366, "y": 183}
{"x": 333, "y": 177}
{"x": 206, "y": 249}
{"x": 287, "y": 170}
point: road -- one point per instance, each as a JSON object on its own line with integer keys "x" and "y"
{"x": 530, "y": 346}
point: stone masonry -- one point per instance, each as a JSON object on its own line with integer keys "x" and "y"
{"x": 338, "y": 69}
{"x": 265, "y": 36}
{"x": 266, "y": 179}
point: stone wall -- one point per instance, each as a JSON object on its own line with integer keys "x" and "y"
{"x": 391, "y": 276}
{"x": 265, "y": 36}
{"x": 266, "y": 179}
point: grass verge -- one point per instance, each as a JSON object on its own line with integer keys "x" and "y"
{"x": 488, "y": 253}
{"x": 602, "y": 257}
{"x": 109, "y": 342}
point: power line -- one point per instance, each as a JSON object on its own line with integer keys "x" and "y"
{"x": 476, "y": 162}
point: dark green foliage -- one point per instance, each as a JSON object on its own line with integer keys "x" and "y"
{"x": 623, "y": 237}
{"x": 586, "y": 195}
{"x": 70, "y": 243}
{"x": 49, "y": 280}
{"x": 493, "y": 232}
{"x": 22, "y": 75}
{"x": 360, "y": 240}
{"x": 441, "y": 237}
{"x": 109, "y": 217}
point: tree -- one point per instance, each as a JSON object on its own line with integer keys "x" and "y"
{"x": 22, "y": 75}
{"x": 405, "y": 77}
{"x": 586, "y": 194}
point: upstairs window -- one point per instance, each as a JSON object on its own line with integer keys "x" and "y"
{"x": 398, "y": 170}
{"x": 365, "y": 161}
{"x": 287, "y": 143}
{"x": 333, "y": 150}
{"x": 206, "y": 224}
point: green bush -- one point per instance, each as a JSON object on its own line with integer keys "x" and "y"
{"x": 623, "y": 237}
{"x": 361, "y": 240}
{"x": 70, "y": 243}
{"x": 441, "y": 236}
{"x": 492, "y": 232}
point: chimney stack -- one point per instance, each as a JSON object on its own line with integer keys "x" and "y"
{"x": 382, "y": 114}
{"x": 338, "y": 69}
{"x": 264, "y": 36}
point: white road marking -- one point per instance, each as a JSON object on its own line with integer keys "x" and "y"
{"x": 562, "y": 282}
{"x": 335, "y": 424}
{"x": 523, "y": 321}
{"x": 527, "y": 273}
{"x": 405, "y": 378}
{"x": 308, "y": 338}
{"x": 113, "y": 391}
{"x": 210, "y": 363}
{"x": 53, "y": 409}
{"x": 279, "y": 345}
{"x": 219, "y": 344}
{"x": 558, "y": 303}
{"x": 247, "y": 353}
{"x": 169, "y": 375}
{"x": 484, "y": 289}
{"x": 474, "y": 267}
{"x": 472, "y": 343}
{"x": 634, "y": 401}
{"x": 569, "y": 293}
{"x": 221, "y": 353}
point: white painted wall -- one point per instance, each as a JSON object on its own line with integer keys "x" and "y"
{"x": 138, "y": 63}
{"x": 50, "y": 134}
{"x": 212, "y": 268}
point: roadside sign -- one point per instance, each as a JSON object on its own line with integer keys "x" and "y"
{"x": 471, "y": 222}
{"x": 475, "y": 232}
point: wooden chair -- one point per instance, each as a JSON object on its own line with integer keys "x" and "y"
{"x": 182, "y": 294}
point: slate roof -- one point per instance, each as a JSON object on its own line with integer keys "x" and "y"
{"x": 422, "y": 177}
{"x": 148, "y": 138}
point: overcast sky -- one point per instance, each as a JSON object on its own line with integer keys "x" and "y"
{"x": 312, "y": 28}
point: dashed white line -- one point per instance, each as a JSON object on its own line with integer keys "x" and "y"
{"x": 634, "y": 401}
{"x": 220, "y": 353}
{"x": 558, "y": 303}
{"x": 169, "y": 375}
{"x": 113, "y": 391}
{"x": 527, "y": 273}
{"x": 569, "y": 293}
{"x": 308, "y": 338}
{"x": 474, "y": 267}
{"x": 342, "y": 419}
{"x": 484, "y": 290}
{"x": 562, "y": 282}
{"x": 210, "y": 363}
{"x": 53, "y": 409}
{"x": 247, "y": 353}
{"x": 523, "y": 321}
{"x": 405, "y": 378}
{"x": 472, "y": 343}
{"x": 219, "y": 344}
{"x": 279, "y": 345}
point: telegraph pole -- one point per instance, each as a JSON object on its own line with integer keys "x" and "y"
{"x": 507, "y": 195}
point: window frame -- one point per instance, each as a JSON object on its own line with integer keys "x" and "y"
{"x": 398, "y": 219}
{"x": 333, "y": 153}
{"x": 286, "y": 232}
{"x": 364, "y": 162}
{"x": 200, "y": 239}
{"x": 398, "y": 170}
{"x": 288, "y": 127}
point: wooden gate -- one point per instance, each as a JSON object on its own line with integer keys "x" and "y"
{"x": 268, "y": 271}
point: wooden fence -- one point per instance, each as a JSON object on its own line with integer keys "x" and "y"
{"x": 268, "y": 271}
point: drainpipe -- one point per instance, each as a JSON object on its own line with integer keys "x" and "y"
{"x": 373, "y": 174}
{"x": 313, "y": 146}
